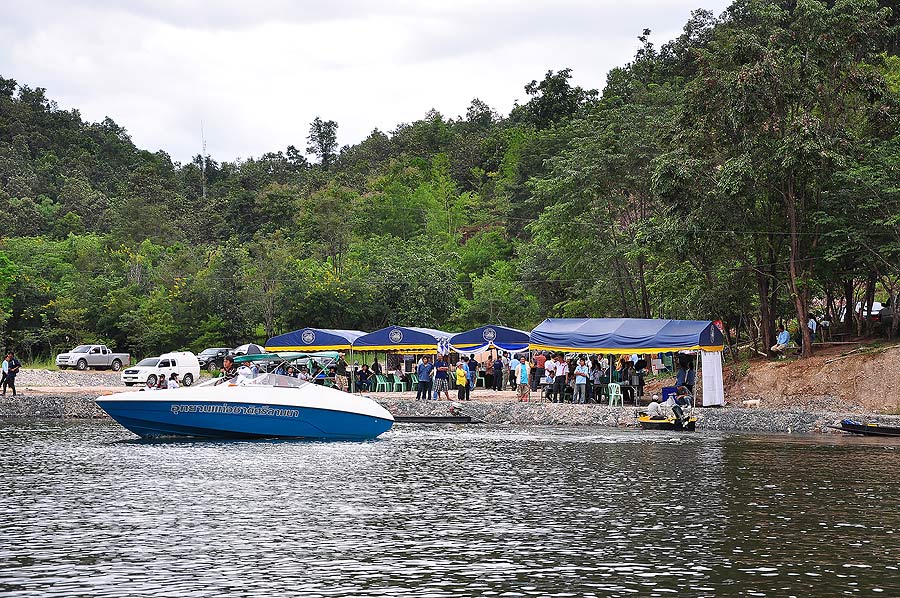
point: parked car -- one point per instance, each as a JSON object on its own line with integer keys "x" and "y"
{"x": 211, "y": 359}
{"x": 886, "y": 316}
{"x": 867, "y": 315}
{"x": 183, "y": 363}
{"x": 93, "y": 356}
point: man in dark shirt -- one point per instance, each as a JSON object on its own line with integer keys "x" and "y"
{"x": 341, "y": 381}
{"x": 498, "y": 374}
{"x": 229, "y": 371}
{"x": 13, "y": 366}
{"x": 442, "y": 378}
{"x": 362, "y": 378}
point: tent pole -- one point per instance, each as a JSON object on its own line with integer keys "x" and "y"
{"x": 696, "y": 373}
{"x": 352, "y": 372}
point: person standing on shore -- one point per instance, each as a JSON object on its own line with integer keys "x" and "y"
{"x": 12, "y": 369}
{"x": 581, "y": 377}
{"x": 3, "y": 374}
{"x": 522, "y": 371}
{"x": 513, "y": 364}
{"x": 441, "y": 378}
{"x": 462, "y": 379}
{"x": 559, "y": 381}
{"x": 424, "y": 374}
{"x": 539, "y": 361}
{"x": 505, "y": 360}
{"x": 498, "y": 374}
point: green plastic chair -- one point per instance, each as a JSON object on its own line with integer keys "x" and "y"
{"x": 414, "y": 380}
{"x": 615, "y": 394}
{"x": 480, "y": 380}
{"x": 381, "y": 384}
{"x": 668, "y": 362}
{"x": 398, "y": 383}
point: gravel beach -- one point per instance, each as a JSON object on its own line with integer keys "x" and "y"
{"x": 71, "y": 395}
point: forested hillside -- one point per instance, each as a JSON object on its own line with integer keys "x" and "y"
{"x": 748, "y": 170}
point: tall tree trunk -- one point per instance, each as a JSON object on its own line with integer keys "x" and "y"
{"x": 726, "y": 329}
{"x": 617, "y": 264}
{"x": 895, "y": 315}
{"x": 645, "y": 297}
{"x": 869, "y": 301}
{"x": 796, "y": 273}
{"x": 767, "y": 295}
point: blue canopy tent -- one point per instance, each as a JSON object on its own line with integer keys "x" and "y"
{"x": 317, "y": 339}
{"x": 488, "y": 337}
{"x": 625, "y": 335}
{"x": 403, "y": 339}
{"x": 612, "y": 336}
{"x": 313, "y": 339}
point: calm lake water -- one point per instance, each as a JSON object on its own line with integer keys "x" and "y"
{"x": 447, "y": 511}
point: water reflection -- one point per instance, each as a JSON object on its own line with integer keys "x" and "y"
{"x": 446, "y": 511}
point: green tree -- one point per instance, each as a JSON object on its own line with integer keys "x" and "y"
{"x": 323, "y": 141}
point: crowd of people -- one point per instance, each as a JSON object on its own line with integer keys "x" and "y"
{"x": 559, "y": 378}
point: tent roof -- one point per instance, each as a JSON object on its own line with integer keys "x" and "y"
{"x": 485, "y": 337}
{"x": 313, "y": 339}
{"x": 401, "y": 339}
{"x": 625, "y": 335}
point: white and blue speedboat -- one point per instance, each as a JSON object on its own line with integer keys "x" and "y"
{"x": 267, "y": 406}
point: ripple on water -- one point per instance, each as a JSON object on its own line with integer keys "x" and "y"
{"x": 444, "y": 511}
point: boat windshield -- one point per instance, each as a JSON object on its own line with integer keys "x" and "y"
{"x": 272, "y": 380}
{"x": 263, "y": 380}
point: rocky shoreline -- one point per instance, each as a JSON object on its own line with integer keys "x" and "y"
{"x": 84, "y": 406}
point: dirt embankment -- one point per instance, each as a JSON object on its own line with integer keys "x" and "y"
{"x": 867, "y": 380}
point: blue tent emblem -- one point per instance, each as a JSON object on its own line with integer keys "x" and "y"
{"x": 489, "y": 334}
{"x": 308, "y": 337}
{"x": 396, "y": 335}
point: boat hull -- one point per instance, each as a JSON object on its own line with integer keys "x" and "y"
{"x": 869, "y": 429}
{"x": 667, "y": 424}
{"x": 234, "y": 412}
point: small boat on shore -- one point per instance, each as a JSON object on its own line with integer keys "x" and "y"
{"x": 265, "y": 406}
{"x": 855, "y": 427}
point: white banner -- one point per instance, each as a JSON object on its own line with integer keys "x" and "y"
{"x": 713, "y": 384}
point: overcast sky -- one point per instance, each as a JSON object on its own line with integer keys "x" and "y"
{"x": 257, "y": 72}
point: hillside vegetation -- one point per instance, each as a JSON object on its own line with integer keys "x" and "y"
{"x": 748, "y": 171}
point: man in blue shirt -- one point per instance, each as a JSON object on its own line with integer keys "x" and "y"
{"x": 424, "y": 374}
{"x": 581, "y": 377}
{"x": 781, "y": 342}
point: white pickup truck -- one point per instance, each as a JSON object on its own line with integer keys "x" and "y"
{"x": 92, "y": 356}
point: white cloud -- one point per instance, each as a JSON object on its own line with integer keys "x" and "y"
{"x": 257, "y": 73}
